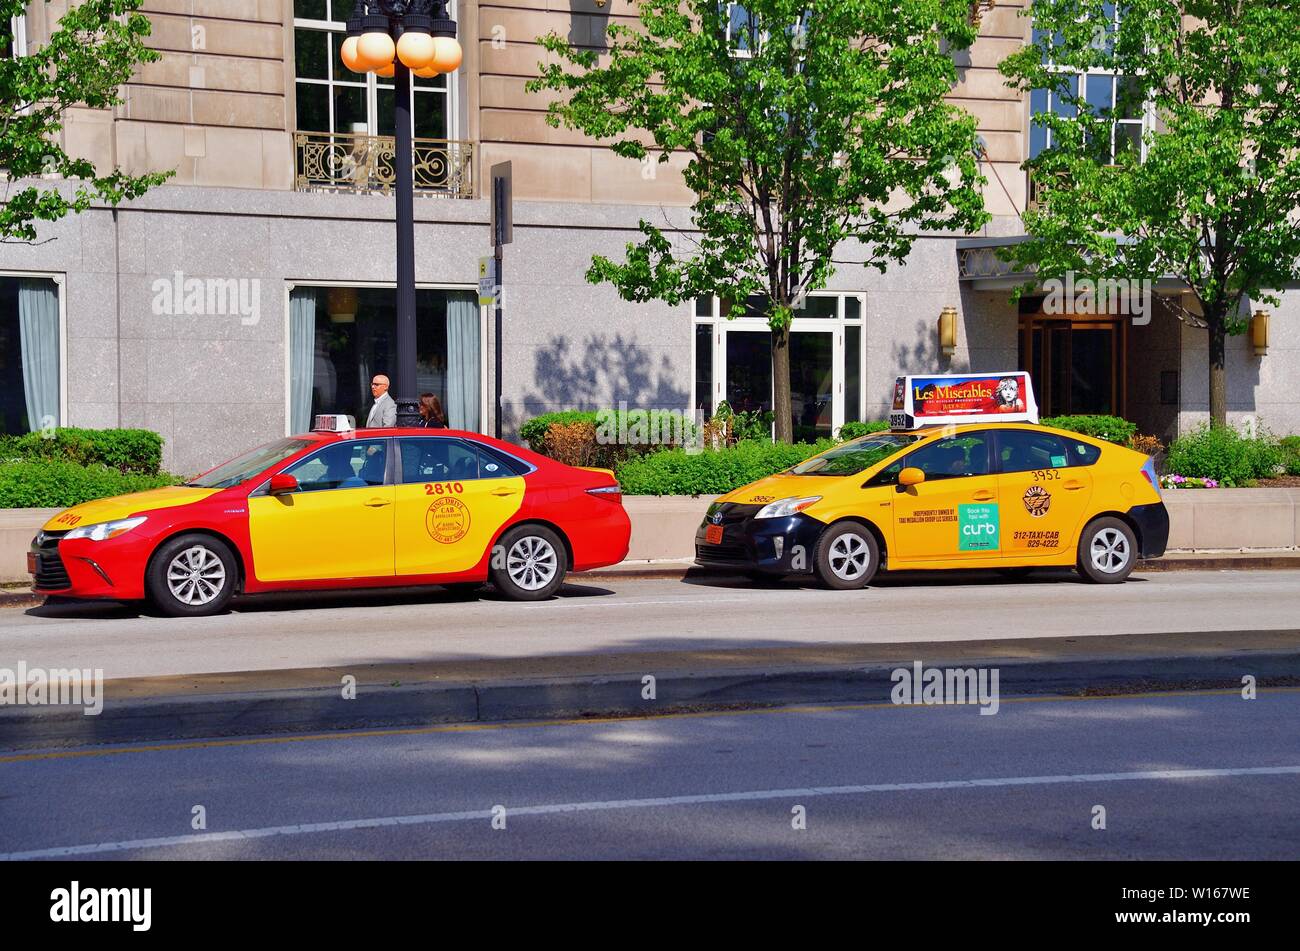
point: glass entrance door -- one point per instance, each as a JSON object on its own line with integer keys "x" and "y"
{"x": 1077, "y": 366}
{"x": 748, "y": 375}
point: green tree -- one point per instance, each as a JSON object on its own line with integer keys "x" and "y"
{"x": 92, "y": 52}
{"x": 812, "y": 124}
{"x": 1214, "y": 202}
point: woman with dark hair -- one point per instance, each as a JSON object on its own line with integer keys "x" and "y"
{"x": 431, "y": 414}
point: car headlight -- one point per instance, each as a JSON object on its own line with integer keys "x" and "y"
{"x": 784, "y": 508}
{"x": 105, "y": 530}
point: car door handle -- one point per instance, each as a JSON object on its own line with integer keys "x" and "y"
{"x": 984, "y": 495}
{"x": 1074, "y": 485}
{"x": 505, "y": 491}
{"x": 378, "y": 503}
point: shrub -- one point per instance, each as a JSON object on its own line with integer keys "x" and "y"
{"x": 1225, "y": 455}
{"x": 573, "y": 444}
{"x": 126, "y": 450}
{"x": 1290, "y": 446}
{"x": 712, "y": 471}
{"x": 1150, "y": 445}
{"x": 55, "y": 483}
{"x": 642, "y": 429}
{"x": 854, "y": 430}
{"x": 1110, "y": 428}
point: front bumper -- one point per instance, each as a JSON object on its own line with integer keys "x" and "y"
{"x": 82, "y": 568}
{"x": 1152, "y": 523}
{"x": 773, "y": 545}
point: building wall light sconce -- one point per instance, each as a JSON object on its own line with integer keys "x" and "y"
{"x": 948, "y": 331}
{"x": 1259, "y": 332}
{"x": 341, "y": 303}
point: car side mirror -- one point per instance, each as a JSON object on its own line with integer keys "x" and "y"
{"x": 911, "y": 476}
{"x": 282, "y": 484}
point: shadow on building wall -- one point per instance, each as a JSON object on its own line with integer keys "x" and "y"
{"x": 598, "y": 373}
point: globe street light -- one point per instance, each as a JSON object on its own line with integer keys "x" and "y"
{"x": 397, "y": 38}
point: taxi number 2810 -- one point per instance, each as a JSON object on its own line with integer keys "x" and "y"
{"x": 443, "y": 488}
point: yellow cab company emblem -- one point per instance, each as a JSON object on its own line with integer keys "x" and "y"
{"x": 447, "y": 520}
{"x": 1037, "y": 501}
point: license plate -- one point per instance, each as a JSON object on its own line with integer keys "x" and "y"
{"x": 713, "y": 534}
{"x": 31, "y": 563}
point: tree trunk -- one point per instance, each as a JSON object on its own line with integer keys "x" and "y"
{"x": 781, "y": 385}
{"x": 1217, "y": 380}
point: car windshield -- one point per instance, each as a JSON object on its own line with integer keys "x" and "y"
{"x": 854, "y": 457}
{"x": 249, "y": 464}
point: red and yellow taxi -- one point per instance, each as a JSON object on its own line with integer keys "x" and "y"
{"x": 965, "y": 478}
{"x": 341, "y": 508}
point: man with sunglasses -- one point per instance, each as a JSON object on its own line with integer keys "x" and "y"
{"x": 384, "y": 412}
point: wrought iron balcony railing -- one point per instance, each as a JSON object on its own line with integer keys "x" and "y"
{"x": 349, "y": 162}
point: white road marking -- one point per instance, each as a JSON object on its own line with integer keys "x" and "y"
{"x": 810, "y": 792}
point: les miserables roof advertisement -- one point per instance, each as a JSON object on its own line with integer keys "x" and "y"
{"x": 955, "y": 398}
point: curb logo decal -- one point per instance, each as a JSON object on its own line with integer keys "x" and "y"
{"x": 1037, "y": 501}
{"x": 977, "y": 527}
{"x": 447, "y": 520}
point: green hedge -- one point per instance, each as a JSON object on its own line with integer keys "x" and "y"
{"x": 1110, "y": 428}
{"x": 854, "y": 430}
{"x": 53, "y": 483}
{"x": 1290, "y": 446}
{"x": 713, "y": 471}
{"x": 1223, "y": 454}
{"x": 137, "y": 451}
{"x": 662, "y": 421}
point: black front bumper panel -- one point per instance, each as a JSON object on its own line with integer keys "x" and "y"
{"x": 775, "y": 545}
{"x": 1152, "y": 523}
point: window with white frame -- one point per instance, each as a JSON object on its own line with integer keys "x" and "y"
{"x": 743, "y": 33}
{"x": 31, "y": 351}
{"x": 1104, "y": 93}
{"x": 13, "y": 37}
{"x": 332, "y": 98}
{"x": 732, "y": 361}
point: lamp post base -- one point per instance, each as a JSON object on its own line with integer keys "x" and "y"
{"x": 408, "y": 411}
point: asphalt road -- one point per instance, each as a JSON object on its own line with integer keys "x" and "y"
{"x": 294, "y": 631}
{"x": 1179, "y": 777}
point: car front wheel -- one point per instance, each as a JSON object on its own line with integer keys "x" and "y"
{"x": 534, "y": 563}
{"x": 192, "y": 576}
{"x": 847, "y": 556}
{"x": 1107, "y": 551}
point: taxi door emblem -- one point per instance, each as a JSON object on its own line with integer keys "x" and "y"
{"x": 1037, "y": 501}
{"x": 447, "y": 520}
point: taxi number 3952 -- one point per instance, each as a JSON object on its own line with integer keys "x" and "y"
{"x": 443, "y": 488}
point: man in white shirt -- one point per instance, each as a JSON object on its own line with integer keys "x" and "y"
{"x": 384, "y": 412}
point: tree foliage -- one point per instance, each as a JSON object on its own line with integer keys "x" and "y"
{"x": 94, "y": 50}
{"x": 1214, "y": 202}
{"x": 811, "y": 125}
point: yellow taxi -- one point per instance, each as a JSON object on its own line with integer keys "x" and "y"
{"x": 965, "y": 478}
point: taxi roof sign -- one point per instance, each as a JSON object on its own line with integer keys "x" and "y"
{"x": 954, "y": 398}
{"x": 334, "y": 424}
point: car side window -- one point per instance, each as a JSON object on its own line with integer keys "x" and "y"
{"x": 441, "y": 459}
{"x": 1023, "y": 450}
{"x": 351, "y": 464}
{"x": 1082, "y": 453}
{"x": 953, "y": 457}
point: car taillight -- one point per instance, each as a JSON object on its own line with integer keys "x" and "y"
{"x": 1149, "y": 473}
{"x": 611, "y": 493}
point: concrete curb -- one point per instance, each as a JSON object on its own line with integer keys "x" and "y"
{"x": 153, "y": 719}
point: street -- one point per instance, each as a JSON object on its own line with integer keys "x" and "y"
{"x": 623, "y": 615}
{"x": 1196, "y": 776}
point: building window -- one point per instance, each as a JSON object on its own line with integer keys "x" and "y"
{"x": 31, "y": 337}
{"x": 13, "y": 37}
{"x": 340, "y": 337}
{"x": 332, "y": 98}
{"x": 743, "y": 33}
{"x": 733, "y": 361}
{"x": 1103, "y": 93}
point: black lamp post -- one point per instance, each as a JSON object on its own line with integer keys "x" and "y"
{"x": 397, "y": 38}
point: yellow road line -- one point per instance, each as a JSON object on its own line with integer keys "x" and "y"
{"x": 582, "y": 721}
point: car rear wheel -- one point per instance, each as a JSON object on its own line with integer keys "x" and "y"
{"x": 1107, "y": 551}
{"x": 847, "y": 556}
{"x": 192, "y": 576}
{"x": 534, "y": 565}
